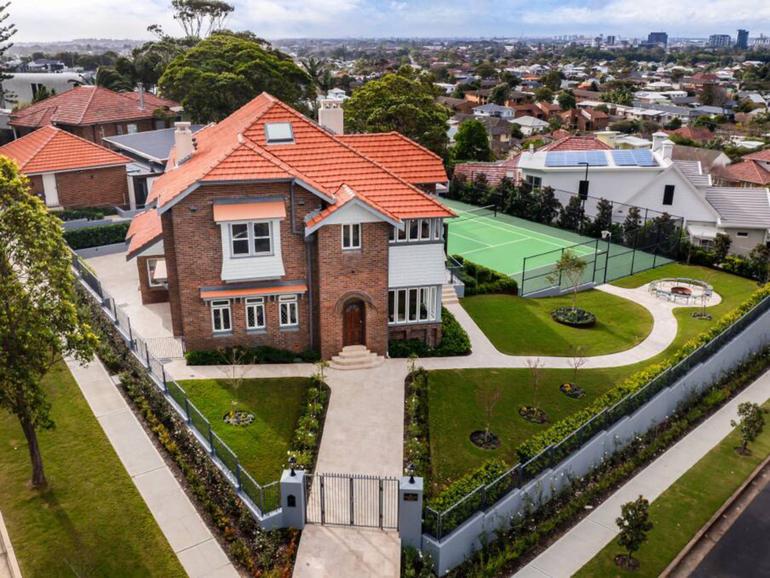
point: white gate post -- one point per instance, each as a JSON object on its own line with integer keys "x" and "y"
{"x": 293, "y": 498}
{"x": 410, "y": 511}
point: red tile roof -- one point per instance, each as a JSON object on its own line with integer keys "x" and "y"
{"x": 576, "y": 143}
{"x": 495, "y": 172}
{"x": 50, "y": 149}
{"x": 746, "y": 172}
{"x": 144, "y": 230}
{"x": 235, "y": 149}
{"x": 763, "y": 156}
{"x": 410, "y": 161}
{"x": 696, "y": 133}
{"x": 88, "y": 105}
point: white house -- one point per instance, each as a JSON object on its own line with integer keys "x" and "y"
{"x": 492, "y": 109}
{"x": 530, "y": 125}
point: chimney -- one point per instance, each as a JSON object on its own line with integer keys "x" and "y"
{"x": 183, "y": 142}
{"x": 658, "y": 138}
{"x": 667, "y": 149}
{"x": 141, "y": 95}
{"x": 331, "y": 116}
{"x": 608, "y": 137}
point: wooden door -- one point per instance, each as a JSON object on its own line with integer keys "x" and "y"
{"x": 353, "y": 324}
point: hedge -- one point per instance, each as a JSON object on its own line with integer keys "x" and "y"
{"x": 310, "y": 425}
{"x": 261, "y": 354}
{"x": 96, "y": 236}
{"x": 454, "y": 341}
{"x": 90, "y": 213}
{"x": 480, "y": 280}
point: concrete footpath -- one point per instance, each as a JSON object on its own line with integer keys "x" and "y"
{"x": 190, "y": 539}
{"x": 578, "y": 546}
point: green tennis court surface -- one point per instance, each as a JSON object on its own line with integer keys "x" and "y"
{"x": 527, "y": 251}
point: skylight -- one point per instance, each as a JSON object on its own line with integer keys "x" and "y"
{"x": 278, "y": 133}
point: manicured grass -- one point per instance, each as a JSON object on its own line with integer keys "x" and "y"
{"x": 685, "y": 507}
{"x": 521, "y": 326}
{"x": 455, "y": 411}
{"x": 91, "y": 521}
{"x": 276, "y": 404}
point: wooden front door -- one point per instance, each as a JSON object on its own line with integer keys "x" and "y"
{"x": 354, "y": 324}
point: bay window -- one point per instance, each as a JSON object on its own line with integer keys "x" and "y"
{"x": 250, "y": 239}
{"x": 418, "y": 230}
{"x": 412, "y": 305}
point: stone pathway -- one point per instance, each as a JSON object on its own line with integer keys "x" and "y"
{"x": 190, "y": 539}
{"x": 578, "y": 546}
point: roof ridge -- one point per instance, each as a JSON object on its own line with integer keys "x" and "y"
{"x": 88, "y": 103}
{"x": 43, "y": 144}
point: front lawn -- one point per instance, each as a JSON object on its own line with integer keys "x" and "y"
{"x": 276, "y": 403}
{"x": 91, "y": 521}
{"x": 685, "y": 507}
{"x": 523, "y": 326}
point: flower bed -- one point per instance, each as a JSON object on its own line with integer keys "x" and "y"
{"x": 571, "y": 390}
{"x": 573, "y": 316}
{"x": 533, "y": 414}
{"x": 307, "y": 436}
{"x": 238, "y": 417}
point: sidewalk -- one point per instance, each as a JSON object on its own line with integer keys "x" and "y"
{"x": 578, "y": 546}
{"x": 190, "y": 539}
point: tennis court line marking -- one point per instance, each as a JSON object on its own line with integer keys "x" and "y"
{"x": 494, "y": 246}
{"x": 530, "y": 233}
{"x": 486, "y": 245}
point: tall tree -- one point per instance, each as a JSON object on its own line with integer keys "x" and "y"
{"x": 499, "y": 94}
{"x": 546, "y": 206}
{"x": 199, "y": 18}
{"x": 109, "y": 77}
{"x": 472, "y": 142}
{"x": 631, "y": 226}
{"x": 566, "y": 99}
{"x": 225, "y": 71}
{"x": 399, "y": 102}
{"x": 759, "y": 257}
{"x": 722, "y": 244}
{"x": 39, "y": 317}
{"x": 7, "y": 30}
{"x": 572, "y": 216}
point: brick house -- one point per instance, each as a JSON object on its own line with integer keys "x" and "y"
{"x": 269, "y": 230}
{"x": 93, "y": 112}
{"x": 68, "y": 171}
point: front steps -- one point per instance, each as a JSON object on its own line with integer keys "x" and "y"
{"x": 356, "y": 357}
{"x": 448, "y": 295}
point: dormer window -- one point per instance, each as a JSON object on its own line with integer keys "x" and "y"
{"x": 278, "y": 133}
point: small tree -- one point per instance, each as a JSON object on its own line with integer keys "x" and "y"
{"x": 603, "y": 218}
{"x": 634, "y": 523}
{"x": 760, "y": 262}
{"x": 536, "y": 373}
{"x": 546, "y": 206}
{"x": 572, "y": 267}
{"x": 631, "y": 226}
{"x": 576, "y": 361}
{"x": 572, "y": 216}
{"x": 488, "y": 394}
{"x": 750, "y": 424}
{"x": 722, "y": 244}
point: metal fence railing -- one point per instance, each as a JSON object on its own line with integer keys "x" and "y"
{"x": 261, "y": 499}
{"x": 441, "y": 523}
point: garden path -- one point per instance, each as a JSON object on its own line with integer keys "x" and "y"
{"x": 586, "y": 539}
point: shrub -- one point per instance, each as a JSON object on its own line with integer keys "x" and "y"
{"x": 454, "y": 341}
{"x": 90, "y": 213}
{"x": 480, "y": 280}
{"x": 249, "y": 355}
{"x": 96, "y": 236}
{"x": 307, "y": 435}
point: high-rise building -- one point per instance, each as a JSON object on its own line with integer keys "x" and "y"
{"x": 742, "y": 43}
{"x": 610, "y": 41}
{"x": 658, "y": 38}
{"x": 720, "y": 40}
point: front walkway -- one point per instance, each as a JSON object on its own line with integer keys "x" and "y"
{"x": 584, "y": 541}
{"x": 190, "y": 539}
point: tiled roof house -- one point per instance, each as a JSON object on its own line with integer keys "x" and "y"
{"x": 269, "y": 230}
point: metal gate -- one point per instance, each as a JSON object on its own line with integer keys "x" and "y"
{"x": 352, "y": 500}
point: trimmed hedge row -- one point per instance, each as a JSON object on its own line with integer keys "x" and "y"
{"x": 454, "y": 341}
{"x": 262, "y": 354}
{"x": 96, "y": 236}
{"x": 90, "y": 213}
{"x": 480, "y": 280}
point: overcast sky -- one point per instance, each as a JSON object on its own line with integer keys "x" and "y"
{"x": 40, "y": 20}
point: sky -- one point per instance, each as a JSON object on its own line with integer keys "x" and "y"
{"x": 41, "y": 20}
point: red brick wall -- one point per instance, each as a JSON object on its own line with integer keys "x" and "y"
{"x": 350, "y": 274}
{"x": 36, "y": 186}
{"x": 428, "y": 332}
{"x": 93, "y": 187}
{"x": 197, "y": 258}
{"x": 149, "y": 294}
{"x": 169, "y": 248}
{"x": 95, "y": 133}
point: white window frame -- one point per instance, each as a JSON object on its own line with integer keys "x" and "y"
{"x": 250, "y": 238}
{"x": 132, "y": 128}
{"x": 258, "y": 306}
{"x": 534, "y": 182}
{"x": 290, "y": 303}
{"x": 351, "y": 229}
{"x": 150, "y": 282}
{"x": 413, "y": 299}
{"x": 221, "y": 306}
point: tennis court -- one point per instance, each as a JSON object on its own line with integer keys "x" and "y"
{"x": 527, "y": 251}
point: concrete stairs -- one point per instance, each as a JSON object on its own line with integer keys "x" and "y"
{"x": 448, "y": 295}
{"x": 356, "y": 357}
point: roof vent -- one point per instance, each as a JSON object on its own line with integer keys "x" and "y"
{"x": 278, "y": 133}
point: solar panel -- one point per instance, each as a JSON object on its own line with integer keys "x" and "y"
{"x": 575, "y": 159}
{"x": 554, "y": 159}
{"x": 644, "y": 158}
{"x": 624, "y": 158}
{"x": 596, "y": 158}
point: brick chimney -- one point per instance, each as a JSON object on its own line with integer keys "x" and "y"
{"x": 183, "y": 142}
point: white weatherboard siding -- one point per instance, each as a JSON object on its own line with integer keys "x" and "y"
{"x": 612, "y": 184}
{"x": 252, "y": 268}
{"x": 688, "y": 201}
{"x": 416, "y": 265}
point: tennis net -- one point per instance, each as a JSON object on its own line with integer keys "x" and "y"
{"x": 471, "y": 214}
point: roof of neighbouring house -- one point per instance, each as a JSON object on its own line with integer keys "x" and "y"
{"x": 707, "y": 157}
{"x": 697, "y": 133}
{"x": 741, "y": 206}
{"x": 50, "y": 149}
{"x": 577, "y": 143}
{"x": 153, "y": 145}
{"x": 409, "y": 160}
{"x": 495, "y": 172}
{"x": 763, "y": 156}
{"x": 747, "y": 172}
{"x": 236, "y": 149}
{"x": 88, "y": 105}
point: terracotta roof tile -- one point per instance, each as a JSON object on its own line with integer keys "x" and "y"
{"x": 50, "y": 149}
{"x": 576, "y": 143}
{"x": 759, "y": 156}
{"x": 145, "y": 229}
{"x": 87, "y": 105}
{"x": 495, "y": 172}
{"x": 746, "y": 172}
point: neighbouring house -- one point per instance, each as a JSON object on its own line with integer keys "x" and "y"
{"x": 530, "y": 125}
{"x": 456, "y": 104}
{"x": 698, "y": 134}
{"x": 492, "y": 109}
{"x": 494, "y": 172}
{"x": 25, "y": 86}
{"x": 93, "y": 113}
{"x": 68, "y": 171}
{"x": 269, "y": 230}
{"x": 480, "y": 96}
{"x": 585, "y": 119}
{"x": 753, "y": 170}
{"x": 713, "y": 161}
{"x": 149, "y": 152}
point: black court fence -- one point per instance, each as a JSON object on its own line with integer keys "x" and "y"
{"x": 441, "y": 523}
{"x": 261, "y": 499}
{"x": 635, "y": 240}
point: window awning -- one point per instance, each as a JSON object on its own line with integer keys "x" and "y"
{"x": 249, "y": 211}
{"x": 208, "y": 294}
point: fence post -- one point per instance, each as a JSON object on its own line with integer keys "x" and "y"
{"x": 130, "y": 333}
{"x": 163, "y": 377}
{"x": 596, "y": 258}
{"x": 187, "y": 409}
{"x": 410, "y": 493}
{"x": 147, "y": 356}
{"x": 211, "y": 441}
{"x": 352, "y": 503}
{"x": 293, "y": 499}
{"x": 523, "y": 275}
{"x": 238, "y": 475}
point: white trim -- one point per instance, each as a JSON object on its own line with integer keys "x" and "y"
{"x": 426, "y": 295}
{"x": 291, "y": 302}
{"x": 351, "y": 228}
{"x": 251, "y": 238}
{"x": 50, "y": 190}
{"x": 256, "y": 303}
{"x": 357, "y": 203}
{"x": 221, "y": 305}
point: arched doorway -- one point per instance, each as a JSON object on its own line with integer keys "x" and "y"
{"x": 354, "y": 323}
